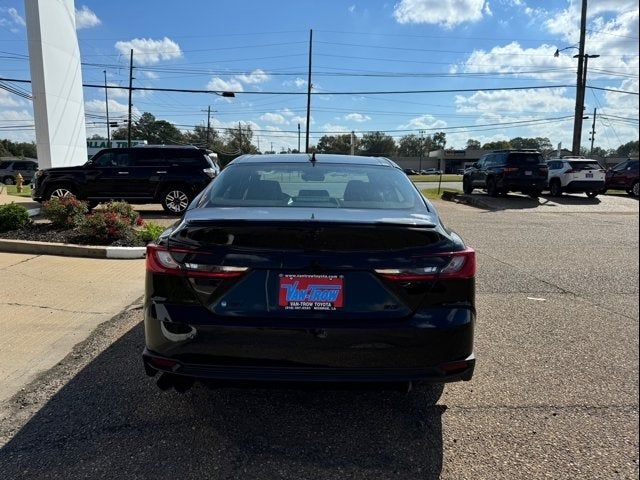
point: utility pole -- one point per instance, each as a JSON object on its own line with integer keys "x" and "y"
{"x": 298, "y": 138}
{"x": 421, "y": 150}
{"x": 353, "y": 143}
{"x": 130, "y": 98}
{"x": 593, "y": 130}
{"x": 106, "y": 107}
{"x": 306, "y": 149}
{"x": 240, "y": 137}
{"x": 580, "y": 84}
{"x": 208, "y": 124}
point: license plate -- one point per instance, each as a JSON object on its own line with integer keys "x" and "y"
{"x": 528, "y": 172}
{"x": 311, "y": 292}
{"x": 589, "y": 175}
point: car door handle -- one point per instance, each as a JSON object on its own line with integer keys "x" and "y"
{"x": 123, "y": 173}
{"x": 161, "y": 171}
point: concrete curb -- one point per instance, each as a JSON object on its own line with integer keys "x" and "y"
{"x": 34, "y": 211}
{"x": 69, "y": 250}
{"x": 471, "y": 200}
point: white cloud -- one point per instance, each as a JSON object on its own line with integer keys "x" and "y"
{"x": 287, "y": 113}
{"x": 352, "y": 9}
{"x": 487, "y": 10}
{"x": 273, "y": 118}
{"x": 357, "y": 117}
{"x": 220, "y": 85}
{"x": 447, "y": 14}
{"x": 301, "y": 120}
{"x": 116, "y": 109}
{"x": 15, "y": 16}
{"x": 298, "y": 83}
{"x": 18, "y": 117}
{"x": 255, "y": 77}
{"x": 426, "y": 122}
{"x": 147, "y": 51}
{"x": 86, "y": 18}
{"x": 8, "y": 100}
{"x": 543, "y": 101}
{"x": 332, "y": 128}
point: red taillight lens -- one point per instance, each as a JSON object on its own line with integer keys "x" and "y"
{"x": 160, "y": 260}
{"x": 510, "y": 170}
{"x": 461, "y": 264}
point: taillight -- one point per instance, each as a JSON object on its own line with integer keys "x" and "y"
{"x": 160, "y": 260}
{"x": 572, "y": 171}
{"x": 460, "y": 264}
{"x": 510, "y": 170}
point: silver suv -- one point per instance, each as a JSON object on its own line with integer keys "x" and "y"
{"x": 10, "y": 168}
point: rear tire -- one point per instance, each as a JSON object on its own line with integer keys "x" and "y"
{"x": 466, "y": 186}
{"x": 59, "y": 191}
{"x": 492, "y": 188}
{"x": 8, "y": 180}
{"x": 556, "y": 188}
{"x": 175, "y": 200}
{"x": 592, "y": 194}
{"x": 635, "y": 190}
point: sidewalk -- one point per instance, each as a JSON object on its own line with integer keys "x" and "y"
{"x": 48, "y": 304}
{"x": 26, "y": 201}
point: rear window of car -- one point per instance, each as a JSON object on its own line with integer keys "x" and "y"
{"x": 525, "y": 159}
{"x": 193, "y": 158}
{"x": 5, "y": 164}
{"x": 584, "y": 165}
{"x": 307, "y": 185}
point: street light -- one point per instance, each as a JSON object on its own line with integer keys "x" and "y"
{"x": 581, "y": 85}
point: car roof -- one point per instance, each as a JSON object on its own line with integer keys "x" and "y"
{"x": 321, "y": 158}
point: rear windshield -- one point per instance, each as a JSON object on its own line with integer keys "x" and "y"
{"x": 5, "y": 164}
{"x": 525, "y": 159}
{"x": 585, "y": 165}
{"x": 306, "y": 185}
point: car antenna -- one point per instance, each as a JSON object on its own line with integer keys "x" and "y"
{"x": 313, "y": 159}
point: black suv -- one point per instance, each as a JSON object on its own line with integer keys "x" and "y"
{"x": 172, "y": 176}
{"x": 505, "y": 171}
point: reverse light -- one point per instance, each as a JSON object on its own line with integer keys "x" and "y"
{"x": 461, "y": 265}
{"x": 160, "y": 260}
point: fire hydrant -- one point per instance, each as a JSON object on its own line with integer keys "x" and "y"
{"x": 19, "y": 183}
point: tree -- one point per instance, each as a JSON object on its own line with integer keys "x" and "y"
{"x": 377, "y": 144}
{"x": 237, "y": 141}
{"x": 473, "y": 144}
{"x": 18, "y": 149}
{"x": 412, "y": 145}
{"x": 340, "y": 144}
{"x": 629, "y": 149}
{"x": 497, "y": 145}
{"x": 198, "y": 136}
{"x": 152, "y": 130}
{"x": 440, "y": 139}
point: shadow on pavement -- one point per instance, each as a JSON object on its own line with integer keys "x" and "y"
{"x": 514, "y": 201}
{"x": 110, "y": 421}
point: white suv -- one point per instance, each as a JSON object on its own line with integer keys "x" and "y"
{"x": 575, "y": 175}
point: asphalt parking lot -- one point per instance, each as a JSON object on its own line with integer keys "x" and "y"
{"x": 555, "y": 393}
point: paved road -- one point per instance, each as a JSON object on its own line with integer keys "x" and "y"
{"x": 555, "y": 393}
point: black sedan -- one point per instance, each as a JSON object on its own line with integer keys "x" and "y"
{"x": 322, "y": 268}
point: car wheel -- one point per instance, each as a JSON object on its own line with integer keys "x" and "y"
{"x": 492, "y": 188}
{"x": 8, "y": 181}
{"x": 175, "y": 200}
{"x": 556, "y": 188}
{"x": 635, "y": 190}
{"x": 592, "y": 194}
{"x": 59, "y": 191}
{"x": 466, "y": 186}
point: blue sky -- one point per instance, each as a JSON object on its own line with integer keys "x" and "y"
{"x": 358, "y": 47}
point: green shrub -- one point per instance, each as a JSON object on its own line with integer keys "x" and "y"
{"x": 124, "y": 210}
{"x": 13, "y": 217}
{"x": 105, "y": 227}
{"x": 150, "y": 232}
{"x": 65, "y": 212}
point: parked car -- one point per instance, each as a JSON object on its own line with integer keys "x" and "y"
{"x": 575, "y": 175}
{"x": 410, "y": 171}
{"x": 623, "y": 176}
{"x": 9, "y": 170}
{"x": 283, "y": 270}
{"x": 505, "y": 171}
{"x": 431, "y": 171}
{"x": 169, "y": 175}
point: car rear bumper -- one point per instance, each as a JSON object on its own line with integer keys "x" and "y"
{"x": 585, "y": 186}
{"x": 436, "y": 346}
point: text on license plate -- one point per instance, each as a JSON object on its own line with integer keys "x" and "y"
{"x": 311, "y": 292}
{"x": 589, "y": 175}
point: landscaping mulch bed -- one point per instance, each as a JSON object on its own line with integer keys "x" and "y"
{"x": 45, "y": 232}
